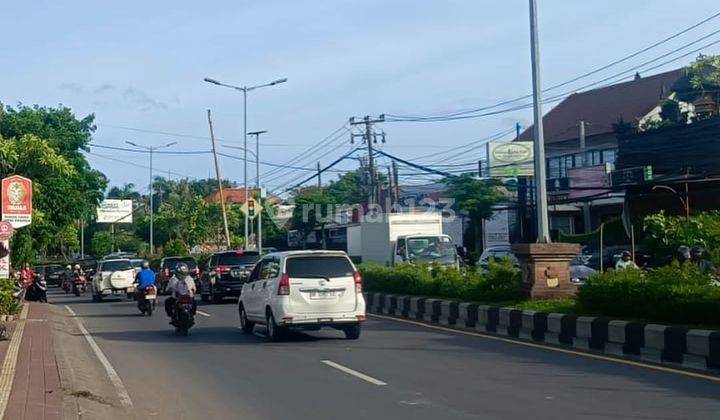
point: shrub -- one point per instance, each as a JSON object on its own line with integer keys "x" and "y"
{"x": 8, "y": 304}
{"x": 664, "y": 234}
{"x": 674, "y": 294}
{"x": 501, "y": 282}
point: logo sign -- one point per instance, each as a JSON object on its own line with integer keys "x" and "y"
{"x": 17, "y": 201}
{"x": 115, "y": 211}
{"x": 510, "y": 159}
{"x": 6, "y": 230}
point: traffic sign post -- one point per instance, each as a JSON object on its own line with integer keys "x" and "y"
{"x": 17, "y": 200}
{"x": 251, "y": 208}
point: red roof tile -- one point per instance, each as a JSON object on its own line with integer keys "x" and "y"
{"x": 601, "y": 108}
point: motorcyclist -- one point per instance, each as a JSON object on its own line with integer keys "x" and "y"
{"x": 625, "y": 262}
{"x": 697, "y": 258}
{"x": 180, "y": 284}
{"x": 683, "y": 254}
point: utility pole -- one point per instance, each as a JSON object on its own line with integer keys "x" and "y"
{"x": 543, "y": 228}
{"x": 257, "y": 185}
{"x": 517, "y": 130}
{"x": 581, "y": 135}
{"x": 390, "y": 190}
{"x": 219, "y": 180}
{"x": 368, "y": 122}
{"x": 82, "y": 238}
{"x": 319, "y": 176}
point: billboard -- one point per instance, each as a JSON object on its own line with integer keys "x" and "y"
{"x": 115, "y": 211}
{"x": 510, "y": 159}
{"x": 496, "y": 229}
{"x": 17, "y": 201}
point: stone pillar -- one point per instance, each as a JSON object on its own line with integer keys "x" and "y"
{"x": 545, "y": 269}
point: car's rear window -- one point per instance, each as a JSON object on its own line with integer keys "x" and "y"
{"x": 171, "y": 263}
{"x": 318, "y": 266}
{"x": 238, "y": 259}
{"x": 116, "y": 266}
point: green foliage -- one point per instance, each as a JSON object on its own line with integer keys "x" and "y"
{"x": 101, "y": 243}
{"x": 312, "y": 208}
{"x": 674, "y": 294}
{"x": 704, "y": 73}
{"x": 501, "y": 283}
{"x": 564, "y": 306}
{"x": 347, "y": 189}
{"x": 663, "y": 234}
{"x": 613, "y": 234}
{"x": 8, "y": 304}
{"x": 476, "y": 197}
{"x": 175, "y": 247}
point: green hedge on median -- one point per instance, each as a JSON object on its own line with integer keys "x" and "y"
{"x": 500, "y": 283}
{"x": 673, "y": 294}
{"x": 8, "y": 304}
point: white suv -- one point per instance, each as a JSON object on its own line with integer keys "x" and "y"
{"x": 303, "y": 289}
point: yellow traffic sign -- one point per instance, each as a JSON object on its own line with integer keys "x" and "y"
{"x": 252, "y": 208}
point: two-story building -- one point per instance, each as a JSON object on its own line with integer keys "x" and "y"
{"x": 581, "y": 148}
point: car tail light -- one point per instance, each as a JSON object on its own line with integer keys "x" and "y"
{"x": 197, "y": 271}
{"x": 223, "y": 269}
{"x": 167, "y": 272}
{"x": 284, "y": 287}
{"x": 357, "y": 277}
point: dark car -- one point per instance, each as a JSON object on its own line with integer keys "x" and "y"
{"x": 167, "y": 269}
{"x": 53, "y": 274}
{"x": 226, "y": 273}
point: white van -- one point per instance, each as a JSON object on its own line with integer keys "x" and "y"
{"x": 303, "y": 289}
{"x": 113, "y": 277}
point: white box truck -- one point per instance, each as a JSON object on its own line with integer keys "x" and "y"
{"x": 401, "y": 238}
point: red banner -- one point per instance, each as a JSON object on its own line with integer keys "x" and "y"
{"x": 17, "y": 200}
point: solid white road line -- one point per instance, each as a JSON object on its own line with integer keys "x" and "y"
{"x": 354, "y": 373}
{"x": 202, "y": 313}
{"x": 8, "y": 367}
{"x": 114, "y": 377}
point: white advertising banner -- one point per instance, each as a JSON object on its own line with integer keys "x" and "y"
{"x": 496, "y": 230}
{"x": 115, "y": 211}
{"x": 510, "y": 159}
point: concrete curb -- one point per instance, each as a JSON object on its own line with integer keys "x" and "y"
{"x": 654, "y": 343}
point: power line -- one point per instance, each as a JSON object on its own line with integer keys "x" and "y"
{"x": 582, "y": 76}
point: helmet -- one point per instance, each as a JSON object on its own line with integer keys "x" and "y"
{"x": 683, "y": 253}
{"x": 696, "y": 251}
{"x": 77, "y": 266}
{"x": 145, "y": 264}
{"x": 69, "y": 267}
{"x": 626, "y": 254}
{"x": 181, "y": 268}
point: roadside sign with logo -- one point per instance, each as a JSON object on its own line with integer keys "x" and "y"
{"x": 6, "y": 230}
{"x": 252, "y": 208}
{"x": 4, "y": 259}
{"x": 115, "y": 211}
{"x": 510, "y": 159}
{"x": 17, "y": 201}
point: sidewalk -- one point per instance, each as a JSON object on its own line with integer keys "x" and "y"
{"x": 36, "y": 392}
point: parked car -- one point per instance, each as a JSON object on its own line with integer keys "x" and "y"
{"x": 226, "y": 272}
{"x": 496, "y": 252}
{"x": 113, "y": 277}
{"x": 167, "y": 269}
{"x": 303, "y": 290}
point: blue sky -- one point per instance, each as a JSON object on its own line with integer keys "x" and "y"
{"x": 140, "y": 65}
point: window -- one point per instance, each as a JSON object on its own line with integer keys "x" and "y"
{"x": 119, "y": 265}
{"x": 317, "y": 266}
{"x": 554, "y": 168}
{"x": 238, "y": 259}
{"x": 608, "y": 156}
{"x": 269, "y": 269}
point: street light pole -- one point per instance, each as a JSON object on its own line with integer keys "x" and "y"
{"x": 150, "y": 150}
{"x": 245, "y": 90}
{"x": 543, "y": 230}
{"x": 257, "y": 184}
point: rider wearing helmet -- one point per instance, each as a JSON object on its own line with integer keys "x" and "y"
{"x": 697, "y": 258}
{"x": 145, "y": 277}
{"x": 625, "y": 262}
{"x": 181, "y": 283}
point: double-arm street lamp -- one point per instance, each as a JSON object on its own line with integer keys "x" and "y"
{"x": 150, "y": 150}
{"x": 245, "y": 90}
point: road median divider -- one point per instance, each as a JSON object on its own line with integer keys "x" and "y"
{"x": 678, "y": 347}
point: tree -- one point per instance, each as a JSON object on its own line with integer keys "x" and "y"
{"x": 347, "y": 189}
{"x": 126, "y": 192}
{"x": 313, "y": 206}
{"x": 474, "y": 197}
{"x": 102, "y": 243}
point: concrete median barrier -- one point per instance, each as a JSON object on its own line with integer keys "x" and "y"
{"x": 692, "y": 349}
{"x": 533, "y": 325}
{"x": 509, "y": 322}
{"x": 560, "y": 329}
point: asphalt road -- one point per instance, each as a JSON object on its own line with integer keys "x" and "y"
{"x": 218, "y": 372}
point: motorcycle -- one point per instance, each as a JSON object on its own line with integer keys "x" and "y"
{"x": 183, "y": 314}
{"x": 147, "y": 299}
{"x": 37, "y": 290}
{"x": 78, "y": 284}
{"x": 67, "y": 285}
